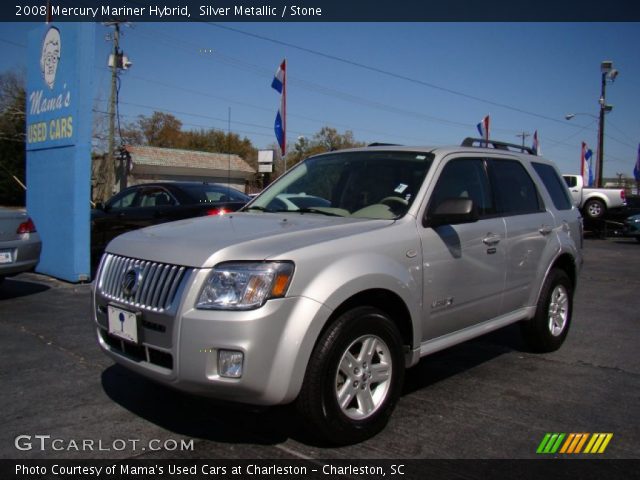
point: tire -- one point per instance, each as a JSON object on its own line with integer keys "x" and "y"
{"x": 368, "y": 385}
{"x": 547, "y": 330}
{"x": 594, "y": 209}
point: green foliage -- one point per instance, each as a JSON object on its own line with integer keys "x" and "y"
{"x": 12, "y": 138}
{"x": 165, "y": 130}
{"x": 326, "y": 140}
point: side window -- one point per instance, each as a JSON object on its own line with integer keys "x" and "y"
{"x": 155, "y": 197}
{"x": 515, "y": 191}
{"x": 571, "y": 181}
{"x": 555, "y": 186}
{"x": 464, "y": 178}
{"x": 123, "y": 200}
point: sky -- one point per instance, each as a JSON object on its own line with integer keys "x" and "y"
{"x": 405, "y": 83}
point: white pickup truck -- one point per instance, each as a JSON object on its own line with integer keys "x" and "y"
{"x": 594, "y": 202}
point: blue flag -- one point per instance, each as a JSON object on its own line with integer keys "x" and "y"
{"x": 280, "y": 85}
{"x": 636, "y": 169}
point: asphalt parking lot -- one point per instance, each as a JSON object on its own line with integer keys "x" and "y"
{"x": 485, "y": 399}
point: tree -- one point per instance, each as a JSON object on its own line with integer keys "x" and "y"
{"x": 216, "y": 141}
{"x": 330, "y": 139}
{"x": 165, "y": 130}
{"x": 326, "y": 140}
{"x": 12, "y": 138}
{"x": 159, "y": 130}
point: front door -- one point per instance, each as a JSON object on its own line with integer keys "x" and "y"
{"x": 463, "y": 265}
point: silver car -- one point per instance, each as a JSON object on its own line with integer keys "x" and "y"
{"x": 413, "y": 250}
{"x": 20, "y": 243}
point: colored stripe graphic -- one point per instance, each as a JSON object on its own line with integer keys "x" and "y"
{"x": 574, "y": 443}
{"x": 550, "y": 443}
{"x": 553, "y": 443}
{"x": 598, "y": 443}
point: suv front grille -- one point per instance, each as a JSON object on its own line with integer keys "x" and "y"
{"x": 140, "y": 283}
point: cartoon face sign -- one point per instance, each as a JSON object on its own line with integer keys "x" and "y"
{"x": 50, "y": 56}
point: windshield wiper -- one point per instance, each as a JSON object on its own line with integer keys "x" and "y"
{"x": 317, "y": 210}
{"x": 300, "y": 210}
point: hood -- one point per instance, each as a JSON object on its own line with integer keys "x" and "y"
{"x": 206, "y": 241}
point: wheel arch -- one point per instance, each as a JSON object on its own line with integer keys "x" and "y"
{"x": 598, "y": 196}
{"x": 385, "y": 300}
{"x": 566, "y": 263}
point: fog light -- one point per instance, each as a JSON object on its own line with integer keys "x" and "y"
{"x": 230, "y": 363}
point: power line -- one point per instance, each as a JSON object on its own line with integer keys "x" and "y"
{"x": 198, "y": 125}
{"x": 384, "y": 72}
{"x": 263, "y": 72}
{"x": 248, "y": 105}
{"x": 317, "y": 88}
{"x": 10, "y": 42}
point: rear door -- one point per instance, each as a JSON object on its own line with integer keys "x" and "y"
{"x": 530, "y": 228}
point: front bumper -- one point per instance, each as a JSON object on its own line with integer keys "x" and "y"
{"x": 179, "y": 348}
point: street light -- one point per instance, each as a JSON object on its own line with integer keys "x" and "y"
{"x": 608, "y": 73}
{"x": 571, "y": 116}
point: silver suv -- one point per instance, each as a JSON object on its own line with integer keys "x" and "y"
{"x": 341, "y": 274}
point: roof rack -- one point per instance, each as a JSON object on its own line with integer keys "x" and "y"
{"x": 380, "y": 144}
{"x": 483, "y": 143}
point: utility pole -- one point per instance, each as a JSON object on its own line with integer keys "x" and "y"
{"x": 523, "y": 135}
{"x": 608, "y": 74}
{"x": 107, "y": 173}
{"x": 107, "y": 169}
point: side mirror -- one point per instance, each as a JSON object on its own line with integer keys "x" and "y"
{"x": 99, "y": 206}
{"x": 452, "y": 211}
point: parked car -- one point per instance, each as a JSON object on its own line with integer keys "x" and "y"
{"x": 594, "y": 202}
{"x": 20, "y": 244}
{"x": 631, "y": 227}
{"x": 414, "y": 250}
{"x": 153, "y": 203}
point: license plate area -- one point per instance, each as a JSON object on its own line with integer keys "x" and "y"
{"x": 6, "y": 256}
{"x": 123, "y": 324}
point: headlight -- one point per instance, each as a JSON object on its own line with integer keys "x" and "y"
{"x": 244, "y": 286}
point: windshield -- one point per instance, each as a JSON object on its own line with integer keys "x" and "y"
{"x": 379, "y": 185}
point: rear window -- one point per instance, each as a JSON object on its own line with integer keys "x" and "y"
{"x": 554, "y": 184}
{"x": 205, "y": 193}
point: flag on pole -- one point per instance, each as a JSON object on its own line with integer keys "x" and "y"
{"x": 483, "y": 128}
{"x": 280, "y": 84}
{"x": 586, "y": 166}
{"x": 636, "y": 169}
{"x": 536, "y": 144}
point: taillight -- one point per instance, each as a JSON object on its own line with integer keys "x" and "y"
{"x": 26, "y": 227}
{"x": 623, "y": 195}
{"x": 217, "y": 211}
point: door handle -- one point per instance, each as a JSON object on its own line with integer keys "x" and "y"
{"x": 491, "y": 239}
{"x": 545, "y": 229}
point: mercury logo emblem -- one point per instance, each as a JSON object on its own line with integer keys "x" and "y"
{"x": 131, "y": 282}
